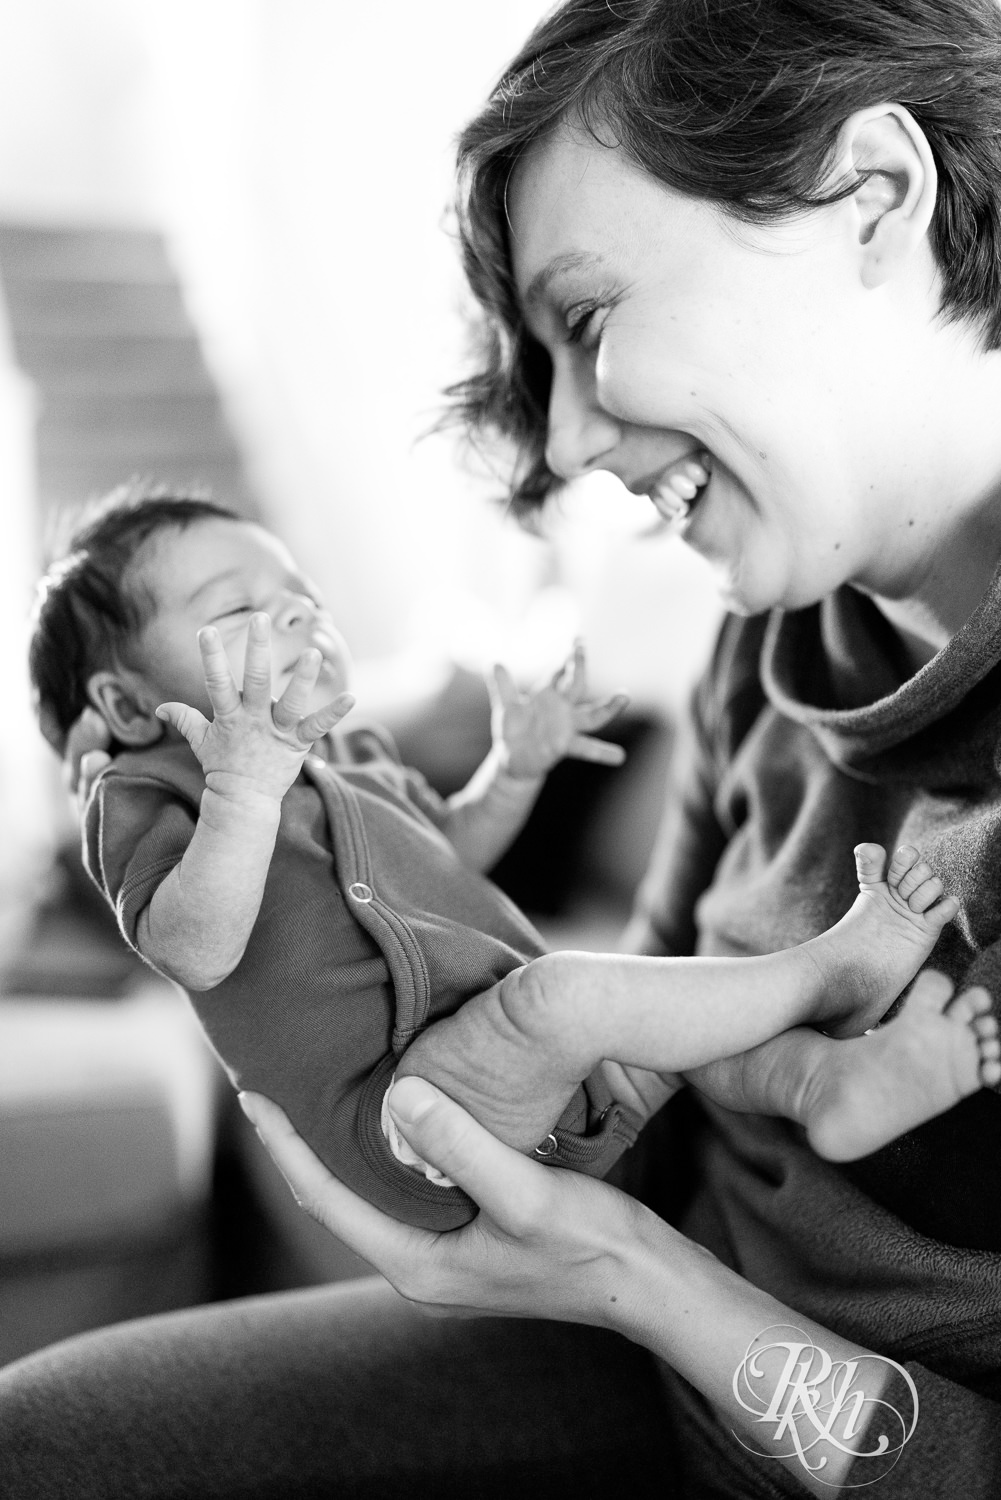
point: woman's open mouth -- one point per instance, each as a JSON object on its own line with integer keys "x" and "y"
{"x": 680, "y": 489}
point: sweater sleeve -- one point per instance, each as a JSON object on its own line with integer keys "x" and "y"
{"x": 955, "y": 1447}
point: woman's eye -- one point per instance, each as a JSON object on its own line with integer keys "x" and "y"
{"x": 580, "y": 321}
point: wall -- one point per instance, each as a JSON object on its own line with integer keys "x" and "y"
{"x": 298, "y": 153}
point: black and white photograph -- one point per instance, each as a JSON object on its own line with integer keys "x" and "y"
{"x": 500, "y": 770}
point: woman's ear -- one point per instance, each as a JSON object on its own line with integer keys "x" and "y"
{"x": 885, "y": 148}
{"x": 123, "y": 708}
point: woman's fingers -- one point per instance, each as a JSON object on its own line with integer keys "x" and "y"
{"x": 508, "y": 1187}
{"x": 364, "y": 1229}
{"x": 90, "y": 733}
{"x": 224, "y": 695}
{"x": 91, "y": 766}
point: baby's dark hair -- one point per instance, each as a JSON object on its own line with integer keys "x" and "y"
{"x": 86, "y": 612}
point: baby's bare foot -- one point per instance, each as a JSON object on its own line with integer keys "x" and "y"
{"x": 934, "y": 1052}
{"x": 881, "y": 943}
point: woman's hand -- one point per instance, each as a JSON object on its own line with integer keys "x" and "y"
{"x": 547, "y": 1243}
{"x": 86, "y": 755}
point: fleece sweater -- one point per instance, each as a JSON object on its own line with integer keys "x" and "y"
{"x": 811, "y": 735}
{"x": 370, "y": 929}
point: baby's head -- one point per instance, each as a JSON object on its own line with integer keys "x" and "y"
{"x": 117, "y": 617}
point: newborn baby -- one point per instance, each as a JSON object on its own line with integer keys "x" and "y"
{"x": 326, "y": 911}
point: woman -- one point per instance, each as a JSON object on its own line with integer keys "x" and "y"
{"x": 766, "y": 235}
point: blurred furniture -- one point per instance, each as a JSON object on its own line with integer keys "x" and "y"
{"x": 107, "y": 1122}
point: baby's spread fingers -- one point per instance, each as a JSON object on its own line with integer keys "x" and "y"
{"x": 570, "y": 678}
{"x": 294, "y": 701}
{"x": 590, "y": 716}
{"x": 577, "y": 669}
{"x": 317, "y": 724}
{"x": 186, "y": 720}
{"x": 502, "y": 686}
{"x": 600, "y": 752}
{"x": 219, "y": 682}
{"x": 257, "y": 664}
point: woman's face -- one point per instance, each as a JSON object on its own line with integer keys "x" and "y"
{"x": 674, "y": 330}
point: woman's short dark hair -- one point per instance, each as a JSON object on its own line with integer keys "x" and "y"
{"x": 87, "y": 609}
{"x": 739, "y": 102}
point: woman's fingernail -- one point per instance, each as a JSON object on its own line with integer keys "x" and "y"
{"x": 411, "y": 1099}
{"x": 246, "y": 1103}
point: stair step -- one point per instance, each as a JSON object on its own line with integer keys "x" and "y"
{"x": 64, "y": 363}
{"x": 141, "y": 444}
{"x": 99, "y": 324}
{"x": 69, "y": 484}
{"x": 52, "y": 307}
{"x": 85, "y": 413}
{"x": 98, "y": 254}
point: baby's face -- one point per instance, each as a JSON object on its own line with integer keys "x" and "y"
{"x": 219, "y": 572}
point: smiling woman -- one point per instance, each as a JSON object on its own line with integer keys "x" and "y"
{"x": 837, "y": 274}
{"x": 744, "y": 253}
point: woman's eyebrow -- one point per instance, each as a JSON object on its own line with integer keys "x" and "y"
{"x": 570, "y": 260}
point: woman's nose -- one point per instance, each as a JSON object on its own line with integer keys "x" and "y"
{"x": 580, "y": 433}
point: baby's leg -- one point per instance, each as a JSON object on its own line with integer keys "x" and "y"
{"x": 856, "y": 1096}
{"x": 514, "y": 1055}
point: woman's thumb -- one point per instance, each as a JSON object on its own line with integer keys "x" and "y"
{"x": 442, "y": 1133}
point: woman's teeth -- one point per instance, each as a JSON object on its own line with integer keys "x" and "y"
{"x": 674, "y": 494}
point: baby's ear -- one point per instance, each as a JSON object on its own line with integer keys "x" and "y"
{"x": 130, "y": 720}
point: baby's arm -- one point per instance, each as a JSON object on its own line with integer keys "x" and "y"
{"x": 200, "y": 918}
{"x": 531, "y": 733}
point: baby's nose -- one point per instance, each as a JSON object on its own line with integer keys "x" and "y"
{"x": 298, "y": 612}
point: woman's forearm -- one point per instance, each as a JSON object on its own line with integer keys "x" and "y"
{"x": 789, "y": 1389}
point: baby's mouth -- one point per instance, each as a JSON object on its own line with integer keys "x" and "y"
{"x": 679, "y": 490}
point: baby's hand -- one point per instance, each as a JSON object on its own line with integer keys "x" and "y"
{"x": 253, "y": 746}
{"x": 532, "y": 731}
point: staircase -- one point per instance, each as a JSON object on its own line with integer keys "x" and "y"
{"x": 99, "y": 325}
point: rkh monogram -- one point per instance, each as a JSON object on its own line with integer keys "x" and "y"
{"x": 814, "y": 1395}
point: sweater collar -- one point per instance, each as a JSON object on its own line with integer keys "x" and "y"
{"x": 838, "y": 668}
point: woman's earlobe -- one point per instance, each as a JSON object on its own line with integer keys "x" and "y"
{"x": 888, "y": 152}
{"x": 130, "y": 721}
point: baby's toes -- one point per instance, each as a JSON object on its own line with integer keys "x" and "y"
{"x": 970, "y": 1008}
{"x": 903, "y": 861}
{"x": 990, "y": 1065}
{"x": 870, "y": 863}
{"x": 916, "y": 876}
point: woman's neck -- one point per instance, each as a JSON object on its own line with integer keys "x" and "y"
{"x": 952, "y": 587}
